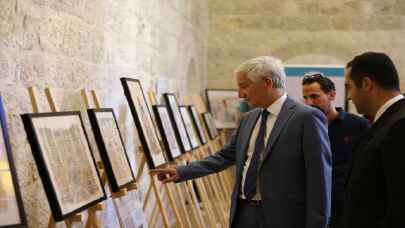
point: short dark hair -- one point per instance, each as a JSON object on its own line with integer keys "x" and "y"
{"x": 376, "y": 66}
{"x": 326, "y": 84}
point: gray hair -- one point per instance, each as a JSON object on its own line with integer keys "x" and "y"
{"x": 264, "y": 67}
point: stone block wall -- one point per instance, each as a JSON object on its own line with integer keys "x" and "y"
{"x": 69, "y": 45}
{"x": 301, "y": 32}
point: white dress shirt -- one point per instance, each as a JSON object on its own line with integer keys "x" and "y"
{"x": 385, "y": 106}
{"x": 274, "y": 110}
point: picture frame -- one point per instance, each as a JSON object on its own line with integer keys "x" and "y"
{"x": 179, "y": 127}
{"x": 165, "y": 126}
{"x": 12, "y": 213}
{"x": 197, "y": 124}
{"x": 223, "y": 104}
{"x": 153, "y": 151}
{"x": 65, "y": 161}
{"x": 209, "y": 124}
{"x": 191, "y": 131}
{"x": 112, "y": 149}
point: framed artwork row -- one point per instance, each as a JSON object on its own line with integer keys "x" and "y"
{"x": 64, "y": 161}
{"x": 191, "y": 132}
{"x": 167, "y": 132}
{"x": 197, "y": 124}
{"x": 209, "y": 123}
{"x": 177, "y": 120}
{"x": 111, "y": 147}
{"x": 12, "y": 212}
{"x": 153, "y": 151}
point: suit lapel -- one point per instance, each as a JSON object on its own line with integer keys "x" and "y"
{"x": 368, "y": 137}
{"x": 247, "y": 132}
{"x": 285, "y": 113}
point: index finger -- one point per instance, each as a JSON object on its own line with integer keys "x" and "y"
{"x": 157, "y": 171}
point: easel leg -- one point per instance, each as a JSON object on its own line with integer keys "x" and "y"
{"x": 207, "y": 203}
{"x": 51, "y": 223}
{"x": 182, "y": 204}
{"x": 196, "y": 203}
{"x": 159, "y": 202}
{"x": 187, "y": 193}
{"x": 176, "y": 212}
{"x": 147, "y": 196}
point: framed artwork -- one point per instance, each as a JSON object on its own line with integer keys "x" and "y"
{"x": 195, "y": 141}
{"x": 167, "y": 132}
{"x": 64, "y": 161}
{"x": 197, "y": 124}
{"x": 224, "y": 107}
{"x": 111, "y": 147}
{"x": 175, "y": 116}
{"x": 209, "y": 123}
{"x": 153, "y": 151}
{"x": 12, "y": 212}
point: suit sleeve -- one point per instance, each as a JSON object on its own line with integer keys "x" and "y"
{"x": 318, "y": 166}
{"x": 211, "y": 164}
{"x": 393, "y": 162}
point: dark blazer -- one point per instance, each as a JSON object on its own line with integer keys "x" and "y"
{"x": 375, "y": 191}
{"x": 295, "y": 174}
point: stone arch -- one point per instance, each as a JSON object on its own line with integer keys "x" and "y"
{"x": 192, "y": 77}
{"x": 190, "y": 74}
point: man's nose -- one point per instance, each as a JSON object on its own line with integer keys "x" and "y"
{"x": 241, "y": 94}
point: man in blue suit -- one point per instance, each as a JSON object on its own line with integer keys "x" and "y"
{"x": 281, "y": 151}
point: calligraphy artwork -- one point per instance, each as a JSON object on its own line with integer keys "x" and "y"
{"x": 153, "y": 151}
{"x": 111, "y": 147}
{"x": 65, "y": 161}
{"x": 177, "y": 120}
{"x": 167, "y": 131}
{"x": 209, "y": 123}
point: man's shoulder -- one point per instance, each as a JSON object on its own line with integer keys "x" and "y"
{"x": 304, "y": 110}
{"x": 250, "y": 114}
{"x": 356, "y": 120}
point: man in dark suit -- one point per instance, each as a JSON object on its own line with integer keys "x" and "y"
{"x": 344, "y": 131}
{"x": 375, "y": 191}
{"x": 281, "y": 151}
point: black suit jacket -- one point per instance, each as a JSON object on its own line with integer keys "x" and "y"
{"x": 375, "y": 191}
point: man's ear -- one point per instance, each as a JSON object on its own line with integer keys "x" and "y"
{"x": 367, "y": 84}
{"x": 332, "y": 95}
{"x": 268, "y": 83}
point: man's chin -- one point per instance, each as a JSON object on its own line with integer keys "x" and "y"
{"x": 252, "y": 106}
{"x": 318, "y": 109}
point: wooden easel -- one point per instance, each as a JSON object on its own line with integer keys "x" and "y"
{"x": 221, "y": 183}
{"x": 152, "y": 187}
{"x": 187, "y": 189}
{"x": 92, "y": 221}
{"x": 182, "y": 189}
{"x": 202, "y": 186}
{"x": 123, "y": 191}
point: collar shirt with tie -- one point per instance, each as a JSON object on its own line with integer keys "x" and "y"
{"x": 274, "y": 110}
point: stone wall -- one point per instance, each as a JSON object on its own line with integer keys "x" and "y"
{"x": 301, "y": 32}
{"x": 68, "y": 45}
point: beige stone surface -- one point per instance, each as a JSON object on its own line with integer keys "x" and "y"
{"x": 298, "y": 30}
{"x": 73, "y": 44}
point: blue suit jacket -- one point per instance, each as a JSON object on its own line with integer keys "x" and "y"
{"x": 295, "y": 173}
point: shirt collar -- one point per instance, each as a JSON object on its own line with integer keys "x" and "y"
{"x": 275, "y": 108}
{"x": 385, "y": 106}
{"x": 341, "y": 113}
